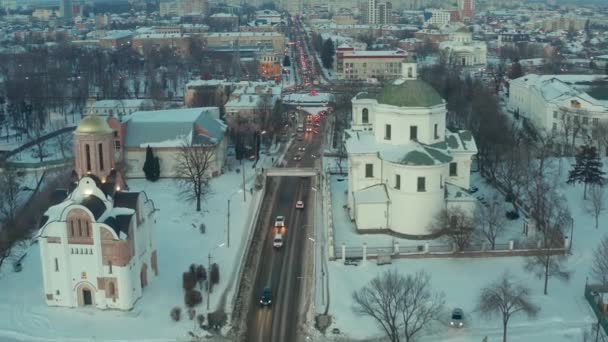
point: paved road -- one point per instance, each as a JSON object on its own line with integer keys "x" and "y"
{"x": 281, "y": 269}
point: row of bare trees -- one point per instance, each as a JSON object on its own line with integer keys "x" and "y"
{"x": 405, "y": 306}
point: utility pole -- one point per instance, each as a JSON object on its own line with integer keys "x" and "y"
{"x": 208, "y": 280}
{"x": 244, "y": 192}
{"x": 228, "y": 227}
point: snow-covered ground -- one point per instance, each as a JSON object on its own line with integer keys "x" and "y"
{"x": 24, "y": 316}
{"x": 564, "y": 315}
{"x": 51, "y": 151}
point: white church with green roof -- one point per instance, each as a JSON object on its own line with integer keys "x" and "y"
{"x": 405, "y": 166}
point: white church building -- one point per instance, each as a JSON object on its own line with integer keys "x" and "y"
{"x": 96, "y": 243}
{"x": 405, "y": 166}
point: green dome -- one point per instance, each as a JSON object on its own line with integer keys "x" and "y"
{"x": 409, "y": 93}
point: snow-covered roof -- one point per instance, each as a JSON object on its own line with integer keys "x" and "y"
{"x": 173, "y": 127}
{"x": 411, "y": 154}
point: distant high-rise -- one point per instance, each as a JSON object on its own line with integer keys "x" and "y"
{"x": 65, "y": 10}
{"x": 293, "y": 6}
{"x": 466, "y": 8}
{"x": 8, "y": 4}
{"x": 378, "y": 12}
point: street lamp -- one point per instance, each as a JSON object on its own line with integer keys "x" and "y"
{"x": 228, "y": 217}
{"x": 209, "y": 275}
{"x": 322, "y": 270}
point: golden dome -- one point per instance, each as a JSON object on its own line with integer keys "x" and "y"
{"x": 93, "y": 124}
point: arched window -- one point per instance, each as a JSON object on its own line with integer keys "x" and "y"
{"x": 71, "y": 228}
{"x": 112, "y": 289}
{"x": 87, "y": 228}
{"x": 87, "y": 150}
{"x": 100, "y": 150}
{"x": 365, "y": 116}
{"x": 79, "y": 228}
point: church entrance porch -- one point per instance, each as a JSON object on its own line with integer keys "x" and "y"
{"x": 85, "y": 295}
{"x": 87, "y": 298}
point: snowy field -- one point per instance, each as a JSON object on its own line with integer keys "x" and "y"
{"x": 564, "y": 315}
{"x": 25, "y": 317}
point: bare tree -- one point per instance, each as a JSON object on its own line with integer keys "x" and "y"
{"x": 401, "y": 305}
{"x": 551, "y": 217}
{"x": 10, "y": 237}
{"x": 597, "y": 202}
{"x": 599, "y": 134}
{"x": 63, "y": 140}
{"x": 10, "y": 187}
{"x": 193, "y": 162}
{"x": 599, "y": 267}
{"x": 506, "y": 297}
{"x": 455, "y": 225}
{"x": 491, "y": 220}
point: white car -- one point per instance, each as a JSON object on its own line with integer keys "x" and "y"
{"x": 279, "y": 221}
{"x": 300, "y": 205}
{"x": 278, "y": 241}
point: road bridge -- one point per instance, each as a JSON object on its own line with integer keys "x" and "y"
{"x": 291, "y": 172}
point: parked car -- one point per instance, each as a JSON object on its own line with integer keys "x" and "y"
{"x": 457, "y": 318}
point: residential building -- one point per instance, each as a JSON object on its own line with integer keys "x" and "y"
{"x": 166, "y": 131}
{"x": 117, "y": 108}
{"x": 363, "y": 65}
{"x": 293, "y": 7}
{"x": 270, "y": 64}
{"x": 462, "y": 50}
{"x": 180, "y": 43}
{"x": 437, "y": 17}
{"x": 182, "y": 8}
{"x": 246, "y": 99}
{"x": 65, "y": 10}
{"x": 378, "y": 12}
{"x": 96, "y": 243}
{"x": 224, "y": 22}
{"x": 405, "y": 166}
{"x": 207, "y": 93}
{"x": 570, "y": 106}
{"x": 269, "y": 16}
{"x": 258, "y": 40}
{"x": 8, "y": 5}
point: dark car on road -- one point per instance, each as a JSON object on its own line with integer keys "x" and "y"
{"x": 266, "y": 297}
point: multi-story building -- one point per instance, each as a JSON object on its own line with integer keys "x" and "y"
{"x": 224, "y": 21}
{"x": 8, "y": 5}
{"x": 96, "y": 244}
{"x": 378, "y": 12}
{"x": 183, "y": 7}
{"x": 65, "y": 10}
{"x": 270, "y": 16}
{"x": 258, "y": 40}
{"x": 270, "y": 64}
{"x": 565, "y": 105}
{"x": 405, "y": 166}
{"x": 466, "y": 9}
{"x": 116, "y": 40}
{"x": 437, "y": 17}
{"x": 180, "y": 43}
{"x": 511, "y": 38}
{"x": 363, "y": 65}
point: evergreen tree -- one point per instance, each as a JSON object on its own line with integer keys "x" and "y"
{"x": 286, "y": 61}
{"x": 327, "y": 53}
{"x": 516, "y": 70}
{"x": 588, "y": 168}
{"x": 151, "y": 166}
{"x": 156, "y": 169}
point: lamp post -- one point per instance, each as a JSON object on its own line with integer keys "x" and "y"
{"x": 209, "y": 276}
{"x": 228, "y": 218}
{"x": 571, "y": 233}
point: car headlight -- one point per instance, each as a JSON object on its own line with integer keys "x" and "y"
{"x": 460, "y": 324}
{"x": 269, "y": 301}
{"x": 261, "y": 301}
{"x": 451, "y": 323}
